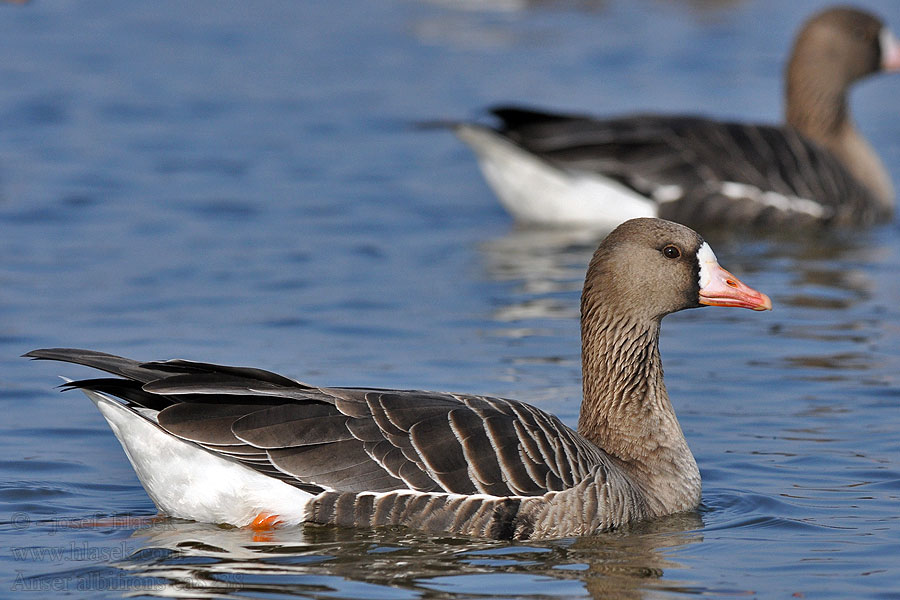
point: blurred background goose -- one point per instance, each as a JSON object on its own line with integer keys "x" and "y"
{"x": 559, "y": 168}
{"x": 249, "y": 447}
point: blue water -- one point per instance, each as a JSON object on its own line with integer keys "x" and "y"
{"x": 243, "y": 183}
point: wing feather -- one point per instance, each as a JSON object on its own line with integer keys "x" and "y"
{"x": 697, "y": 156}
{"x": 480, "y": 456}
{"x": 289, "y": 425}
{"x": 208, "y": 424}
{"x": 349, "y": 439}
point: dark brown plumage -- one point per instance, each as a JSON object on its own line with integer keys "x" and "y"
{"x": 815, "y": 169}
{"x": 832, "y": 51}
{"x": 461, "y": 463}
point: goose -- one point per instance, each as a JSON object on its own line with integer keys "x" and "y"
{"x": 248, "y": 447}
{"x": 817, "y": 170}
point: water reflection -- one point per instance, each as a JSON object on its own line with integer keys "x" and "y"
{"x": 825, "y": 270}
{"x": 546, "y": 264}
{"x": 635, "y": 560}
{"x": 184, "y": 559}
{"x": 588, "y": 6}
{"x": 824, "y": 317}
{"x": 536, "y": 318}
{"x": 823, "y": 284}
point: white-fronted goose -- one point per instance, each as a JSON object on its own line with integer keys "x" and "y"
{"x": 552, "y": 168}
{"x": 249, "y": 447}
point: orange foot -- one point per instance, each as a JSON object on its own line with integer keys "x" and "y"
{"x": 263, "y": 525}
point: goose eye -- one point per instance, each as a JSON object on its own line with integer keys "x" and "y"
{"x": 671, "y": 251}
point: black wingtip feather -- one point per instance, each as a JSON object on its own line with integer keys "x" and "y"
{"x": 116, "y": 365}
{"x": 179, "y": 365}
{"x": 517, "y": 116}
{"x": 66, "y": 354}
{"x": 125, "y": 389}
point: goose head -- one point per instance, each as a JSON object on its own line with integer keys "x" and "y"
{"x": 844, "y": 45}
{"x": 832, "y": 50}
{"x": 647, "y": 268}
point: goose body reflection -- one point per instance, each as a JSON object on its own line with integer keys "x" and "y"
{"x": 202, "y": 560}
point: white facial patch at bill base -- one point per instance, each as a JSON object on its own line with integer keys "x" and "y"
{"x": 890, "y": 50}
{"x": 707, "y": 259}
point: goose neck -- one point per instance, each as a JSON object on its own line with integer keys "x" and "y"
{"x": 817, "y": 107}
{"x": 626, "y": 409}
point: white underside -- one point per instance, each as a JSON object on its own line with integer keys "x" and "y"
{"x": 188, "y": 482}
{"x": 534, "y": 191}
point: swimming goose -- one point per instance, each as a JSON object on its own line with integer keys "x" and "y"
{"x": 248, "y": 447}
{"x": 817, "y": 169}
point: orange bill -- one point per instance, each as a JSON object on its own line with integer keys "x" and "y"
{"x": 724, "y": 289}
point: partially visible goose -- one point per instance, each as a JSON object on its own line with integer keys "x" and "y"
{"x": 552, "y": 168}
{"x": 249, "y": 447}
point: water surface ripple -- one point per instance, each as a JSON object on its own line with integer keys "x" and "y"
{"x": 244, "y": 184}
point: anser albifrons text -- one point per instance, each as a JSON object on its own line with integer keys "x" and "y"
{"x": 816, "y": 169}
{"x": 248, "y": 447}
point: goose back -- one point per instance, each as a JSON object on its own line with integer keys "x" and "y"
{"x": 434, "y": 449}
{"x": 700, "y": 170}
{"x": 816, "y": 169}
{"x": 230, "y": 444}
